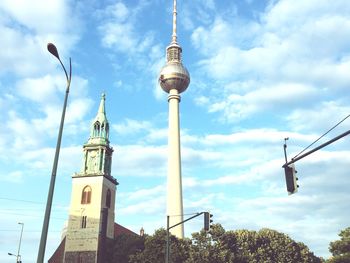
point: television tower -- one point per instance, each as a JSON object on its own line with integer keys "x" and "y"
{"x": 174, "y": 79}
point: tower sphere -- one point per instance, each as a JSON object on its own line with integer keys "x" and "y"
{"x": 174, "y": 76}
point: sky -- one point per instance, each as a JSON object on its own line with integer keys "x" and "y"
{"x": 261, "y": 71}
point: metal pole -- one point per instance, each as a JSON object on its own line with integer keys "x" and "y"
{"x": 52, "y": 49}
{"x": 317, "y": 148}
{"x": 285, "y": 149}
{"x": 167, "y": 254}
{"x": 198, "y": 214}
{"x": 19, "y": 245}
{"x": 167, "y": 241}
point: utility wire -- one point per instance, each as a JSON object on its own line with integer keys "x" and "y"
{"x": 321, "y": 136}
{"x": 20, "y": 200}
{"x": 31, "y": 231}
{"x": 29, "y": 215}
{"x": 27, "y": 201}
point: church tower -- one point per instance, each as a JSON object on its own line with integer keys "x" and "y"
{"x": 91, "y": 214}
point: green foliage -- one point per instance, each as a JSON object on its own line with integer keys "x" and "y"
{"x": 155, "y": 247}
{"x": 340, "y": 249}
{"x": 243, "y": 246}
{"x": 217, "y": 246}
{"x": 123, "y": 247}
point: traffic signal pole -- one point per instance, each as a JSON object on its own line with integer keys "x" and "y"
{"x": 167, "y": 255}
{"x": 315, "y": 149}
{"x": 289, "y": 168}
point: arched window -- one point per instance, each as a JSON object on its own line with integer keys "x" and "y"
{"x": 97, "y": 129}
{"x": 102, "y": 130}
{"x": 108, "y": 198}
{"x": 107, "y": 130}
{"x": 86, "y": 195}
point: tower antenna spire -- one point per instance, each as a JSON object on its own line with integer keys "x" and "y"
{"x": 174, "y": 36}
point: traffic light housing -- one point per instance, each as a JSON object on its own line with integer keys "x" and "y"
{"x": 207, "y": 221}
{"x": 291, "y": 179}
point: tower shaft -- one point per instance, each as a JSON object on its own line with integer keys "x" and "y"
{"x": 174, "y": 198}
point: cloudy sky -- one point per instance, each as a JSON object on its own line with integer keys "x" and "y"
{"x": 261, "y": 71}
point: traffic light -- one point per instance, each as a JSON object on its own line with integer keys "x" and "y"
{"x": 207, "y": 221}
{"x": 291, "y": 179}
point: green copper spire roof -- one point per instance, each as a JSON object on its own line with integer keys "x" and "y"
{"x": 101, "y": 114}
{"x": 100, "y": 126}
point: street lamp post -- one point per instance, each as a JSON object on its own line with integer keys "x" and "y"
{"x": 53, "y": 50}
{"x": 19, "y": 245}
{"x": 18, "y": 256}
{"x": 10, "y": 254}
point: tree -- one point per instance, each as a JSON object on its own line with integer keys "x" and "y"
{"x": 273, "y": 246}
{"x": 244, "y": 246}
{"x": 203, "y": 247}
{"x": 155, "y": 246}
{"x": 340, "y": 249}
{"x": 217, "y": 245}
{"x": 124, "y": 246}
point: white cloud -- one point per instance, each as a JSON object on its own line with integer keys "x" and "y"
{"x": 119, "y": 32}
{"x": 201, "y": 9}
{"x": 138, "y": 160}
{"x": 25, "y": 31}
{"x": 145, "y": 193}
{"x": 120, "y": 36}
{"x": 236, "y": 107}
{"x": 23, "y": 135}
{"x": 77, "y": 110}
{"x": 151, "y": 206}
{"x": 155, "y": 135}
{"x": 294, "y": 56}
{"x": 13, "y": 177}
{"x": 142, "y": 130}
{"x": 41, "y": 90}
{"x": 130, "y": 126}
{"x": 40, "y": 10}
{"x": 118, "y": 11}
{"x": 321, "y": 118}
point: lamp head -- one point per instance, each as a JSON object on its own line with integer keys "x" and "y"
{"x": 53, "y": 50}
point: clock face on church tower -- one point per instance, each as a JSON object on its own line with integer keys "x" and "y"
{"x": 92, "y": 161}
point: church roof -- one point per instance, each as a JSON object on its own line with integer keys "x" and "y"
{"x": 101, "y": 114}
{"x": 120, "y": 230}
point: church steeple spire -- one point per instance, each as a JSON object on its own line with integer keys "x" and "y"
{"x": 97, "y": 152}
{"x": 100, "y": 126}
{"x": 101, "y": 114}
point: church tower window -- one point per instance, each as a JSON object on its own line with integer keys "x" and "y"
{"x": 96, "y": 129}
{"x": 86, "y": 195}
{"x": 108, "y": 198}
{"x": 83, "y": 221}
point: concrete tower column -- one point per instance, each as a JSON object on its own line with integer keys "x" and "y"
{"x": 174, "y": 198}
